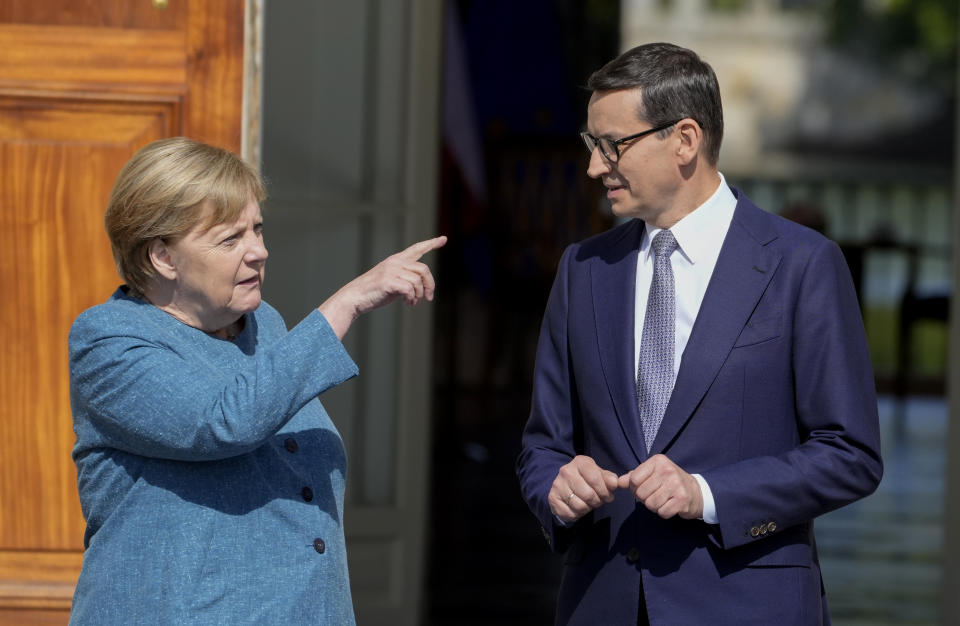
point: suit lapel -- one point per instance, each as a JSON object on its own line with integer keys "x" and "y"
{"x": 743, "y": 271}
{"x": 613, "y": 282}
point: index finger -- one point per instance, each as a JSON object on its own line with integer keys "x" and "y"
{"x": 420, "y": 248}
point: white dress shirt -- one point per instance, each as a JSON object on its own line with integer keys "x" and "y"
{"x": 699, "y": 236}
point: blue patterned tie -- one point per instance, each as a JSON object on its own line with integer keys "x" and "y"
{"x": 655, "y": 371}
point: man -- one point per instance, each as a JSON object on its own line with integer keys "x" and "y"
{"x": 701, "y": 396}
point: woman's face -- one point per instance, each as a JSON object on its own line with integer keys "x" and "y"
{"x": 218, "y": 271}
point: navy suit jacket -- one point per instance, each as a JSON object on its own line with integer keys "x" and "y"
{"x": 774, "y": 404}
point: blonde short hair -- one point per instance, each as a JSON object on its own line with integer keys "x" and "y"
{"x": 165, "y": 190}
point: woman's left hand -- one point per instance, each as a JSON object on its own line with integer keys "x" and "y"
{"x": 401, "y": 275}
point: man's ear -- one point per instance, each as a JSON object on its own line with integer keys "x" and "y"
{"x": 161, "y": 259}
{"x": 691, "y": 139}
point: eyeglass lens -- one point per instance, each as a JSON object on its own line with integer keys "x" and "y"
{"x": 606, "y": 148}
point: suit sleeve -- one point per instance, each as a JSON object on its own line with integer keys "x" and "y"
{"x": 550, "y": 437}
{"x": 133, "y": 393}
{"x": 838, "y": 458}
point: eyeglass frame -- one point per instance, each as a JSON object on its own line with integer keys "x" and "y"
{"x": 592, "y": 143}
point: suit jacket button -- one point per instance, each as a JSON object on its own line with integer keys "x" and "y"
{"x": 755, "y": 531}
{"x": 772, "y": 526}
{"x": 764, "y": 528}
{"x": 291, "y": 444}
{"x": 633, "y": 555}
{"x": 307, "y": 494}
{"x": 319, "y": 545}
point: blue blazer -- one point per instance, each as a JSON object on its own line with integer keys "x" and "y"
{"x": 210, "y": 476}
{"x": 774, "y": 404}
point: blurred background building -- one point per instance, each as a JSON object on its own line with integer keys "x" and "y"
{"x": 377, "y": 123}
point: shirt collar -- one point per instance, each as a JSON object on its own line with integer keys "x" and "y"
{"x": 696, "y": 232}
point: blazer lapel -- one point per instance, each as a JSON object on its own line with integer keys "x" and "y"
{"x": 613, "y": 283}
{"x": 743, "y": 271}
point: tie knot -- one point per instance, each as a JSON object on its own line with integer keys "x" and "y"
{"x": 664, "y": 243}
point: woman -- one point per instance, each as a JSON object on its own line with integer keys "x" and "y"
{"x": 210, "y": 476}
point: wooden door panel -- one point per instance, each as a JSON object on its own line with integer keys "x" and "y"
{"x": 60, "y": 118}
{"x": 58, "y": 165}
{"x": 109, "y": 13}
{"x": 37, "y": 581}
{"x": 113, "y": 59}
{"x": 213, "y": 104}
{"x": 82, "y": 87}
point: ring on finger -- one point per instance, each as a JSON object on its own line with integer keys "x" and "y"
{"x": 570, "y": 497}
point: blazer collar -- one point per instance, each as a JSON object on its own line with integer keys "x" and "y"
{"x": 613, "y": 283}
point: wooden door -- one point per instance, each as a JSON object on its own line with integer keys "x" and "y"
{"x": 83, "y": 85}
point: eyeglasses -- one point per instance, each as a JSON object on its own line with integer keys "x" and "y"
{"x": 610, "y": 148}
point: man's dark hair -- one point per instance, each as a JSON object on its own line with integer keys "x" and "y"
{"x": 674, "y": 83}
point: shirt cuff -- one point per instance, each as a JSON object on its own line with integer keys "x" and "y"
{"x": 709, "y": 506}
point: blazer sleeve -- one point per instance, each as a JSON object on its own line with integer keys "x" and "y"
{"x": 132, "y": 392}
{"x": 550, "y": 437}
{"x": 838, "y": 458}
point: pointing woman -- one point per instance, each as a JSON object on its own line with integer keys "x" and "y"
{"x": 210, "y": 475}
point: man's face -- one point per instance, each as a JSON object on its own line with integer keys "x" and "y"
{"x": 643, "y": 181}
